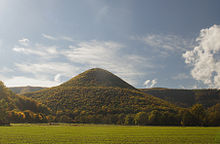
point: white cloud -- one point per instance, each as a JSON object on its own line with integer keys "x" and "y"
{"x": 195, "y": 87}
{"x": 205, "y": 57}
{"x": 43, "y": 74}
{"x": 180, "y": 76}
{"x": 150, "y": 83}
{"x": 6, "y": 70}
{"x": 28, "y": 51}
{"x": 57, "y": 78}
{"x": 49, "y": 37}
{"x": 49, "y": 68}
{"x": 45, "y": 52}
{"x": 51, "y": 50}
{"x": 165, "y": 44}
{"x": 93, "y": 52}
{"x": 146, "y": 83}
{"x": 27, "y": 81}
{"x": 81, "y": 56}
{"x": 24, "y": 42}
{"x": 153, "y": 83}
{"x": 67, "y": 38}
{"x": 107, "y": 55}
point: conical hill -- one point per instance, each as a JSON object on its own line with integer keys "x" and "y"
{"x": 97, "y": 77}
{"x": 97, "y": 91}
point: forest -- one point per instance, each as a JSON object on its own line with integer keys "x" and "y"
{"x": 98, "y": 96}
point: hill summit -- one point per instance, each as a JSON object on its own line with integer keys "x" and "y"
{"x": 97, "y": 77}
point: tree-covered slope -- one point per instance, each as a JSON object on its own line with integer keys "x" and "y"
{"x": 12, "y": 106}
{"x": 99, "y": 100}
{"x": 99, "y": 104}
{"x": 186, "y": 98}
{"x": 97, "y": 77}
{"x": 98, "y": 93}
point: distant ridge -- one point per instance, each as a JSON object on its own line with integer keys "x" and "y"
{"x": 186, "y": 97}
{"x": 25, "y": 89}
{"x": 97, "y": 77}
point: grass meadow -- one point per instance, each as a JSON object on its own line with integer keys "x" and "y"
{"x": 106, "y": 134}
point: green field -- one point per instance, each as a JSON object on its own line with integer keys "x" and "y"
{"x": 64, "y": 133}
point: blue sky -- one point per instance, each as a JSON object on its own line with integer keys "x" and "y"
{"x": 148, "y": 43}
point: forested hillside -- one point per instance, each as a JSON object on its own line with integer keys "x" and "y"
{"x": 98, "y": 96}
{"x": 99, "y": 104}
{"x": 97, "y": 77}
{"x": 186, "y": 98}
{"x": 15, "y": 108}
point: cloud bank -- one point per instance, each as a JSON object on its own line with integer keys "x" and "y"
{"x": 205, "y": 57}
{"x": 107, "y": 55}
{"x": 57, "y": 63}
{"x": 28, "y": 81}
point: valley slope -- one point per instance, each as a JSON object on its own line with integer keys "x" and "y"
{"x": 14, "y": 107}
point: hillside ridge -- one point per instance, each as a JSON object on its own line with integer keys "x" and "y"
{"x": 97, "y": 77}
{"x": 186, "y": 97}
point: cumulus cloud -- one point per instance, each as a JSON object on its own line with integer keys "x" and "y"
{"x": 205, "y": 57}
{"x": 146, "y": 83}
{"x": 150, "y": 83}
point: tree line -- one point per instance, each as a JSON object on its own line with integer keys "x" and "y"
{"x": 197, "y": 115}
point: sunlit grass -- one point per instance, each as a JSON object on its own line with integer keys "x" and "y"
{"x": 79, "y": 133}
